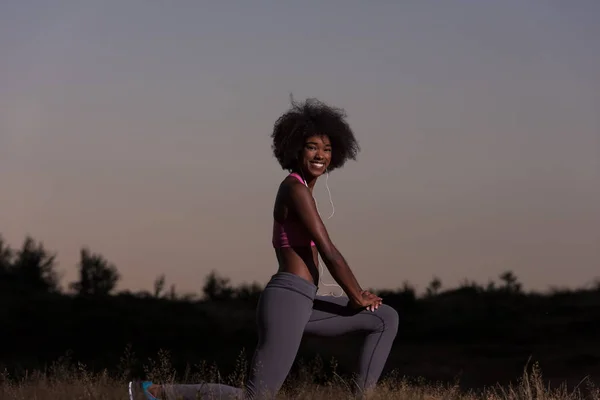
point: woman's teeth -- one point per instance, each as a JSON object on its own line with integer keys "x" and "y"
{"x": 318, "y": 165}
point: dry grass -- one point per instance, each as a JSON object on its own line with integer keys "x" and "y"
{"x": 67, "y": 380}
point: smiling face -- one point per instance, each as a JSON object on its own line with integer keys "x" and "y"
{"x": 316, "y": 155}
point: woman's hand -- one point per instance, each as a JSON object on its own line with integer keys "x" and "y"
{"x": 367, "y": 300}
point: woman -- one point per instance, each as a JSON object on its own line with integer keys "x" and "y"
{"x": 309, "y": 140}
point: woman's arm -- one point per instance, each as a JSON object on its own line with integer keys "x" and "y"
{"x": 301, "y": 200}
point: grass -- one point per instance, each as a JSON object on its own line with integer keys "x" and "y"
{"x": 67, "y": 380}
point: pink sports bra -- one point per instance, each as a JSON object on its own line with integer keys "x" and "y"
{"x": 291, "y": 233}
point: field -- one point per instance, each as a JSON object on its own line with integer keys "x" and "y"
{"x": 71, "y": 380}
{"x": 480, "y": 341}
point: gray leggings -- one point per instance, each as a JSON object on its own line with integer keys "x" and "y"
{"x": 288, "y": 308}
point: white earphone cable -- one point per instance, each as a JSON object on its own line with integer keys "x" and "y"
{"x": 321, "y": 267}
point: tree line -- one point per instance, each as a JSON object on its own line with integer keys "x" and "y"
{"x": 33, "y": 269}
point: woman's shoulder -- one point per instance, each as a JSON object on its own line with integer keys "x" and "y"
{"x": 292, "y": 185}
{"x": 291, "y": 191}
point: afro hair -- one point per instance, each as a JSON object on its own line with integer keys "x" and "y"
{"x": 313, "y": 118}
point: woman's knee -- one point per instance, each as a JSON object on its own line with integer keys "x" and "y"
{"x": 389, "y": 316}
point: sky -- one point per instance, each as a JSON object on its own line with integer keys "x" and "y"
{"x": 141, "y": 130}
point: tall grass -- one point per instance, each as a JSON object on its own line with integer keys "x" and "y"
{"x": 65, "y": 379}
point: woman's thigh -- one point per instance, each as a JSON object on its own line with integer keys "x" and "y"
{"x": 332, "y": 316}
{"x": 281, "y": 316}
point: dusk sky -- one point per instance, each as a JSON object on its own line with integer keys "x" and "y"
{"x": 141, "y": 130}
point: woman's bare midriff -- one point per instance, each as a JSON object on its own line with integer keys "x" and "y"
{"x": 301, "y": 261}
